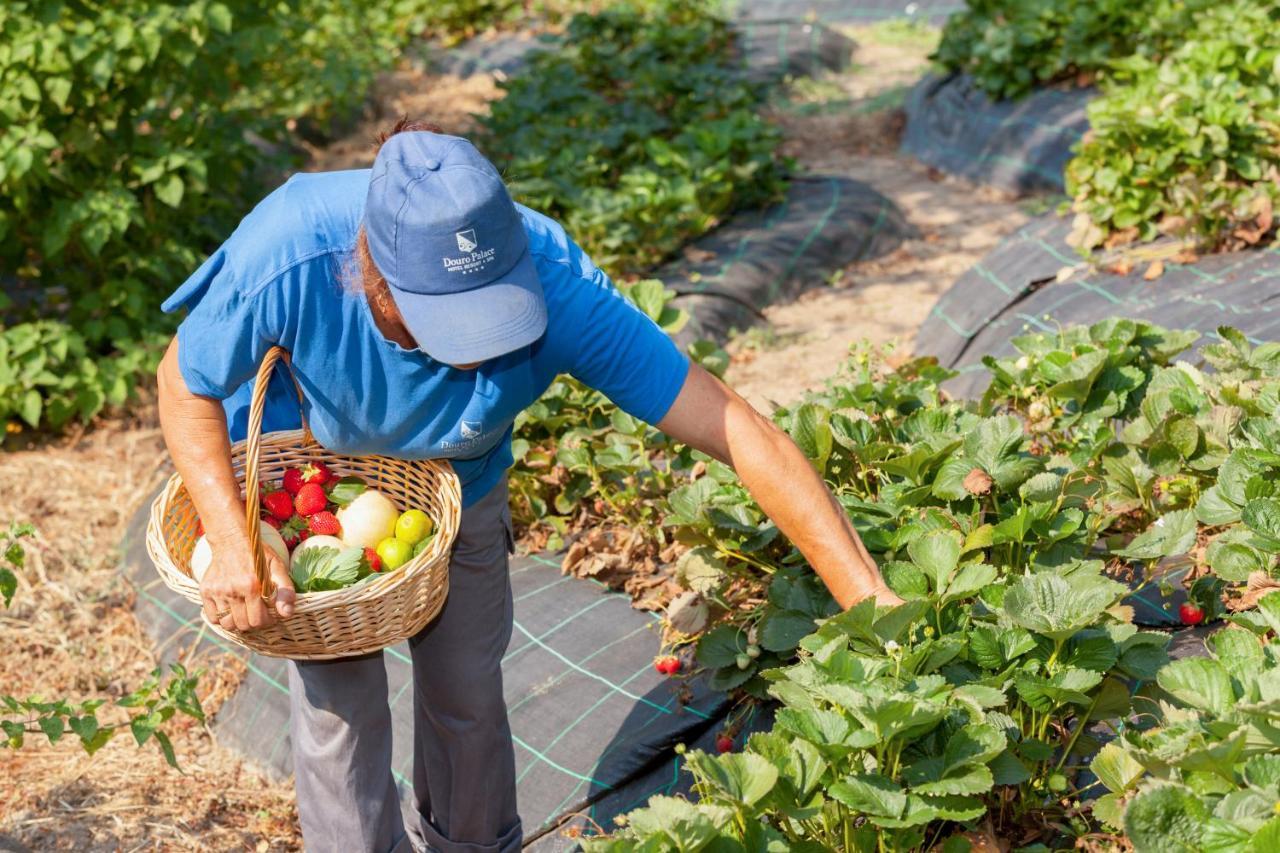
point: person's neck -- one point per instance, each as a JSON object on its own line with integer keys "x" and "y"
{"x": 387, "y": 318}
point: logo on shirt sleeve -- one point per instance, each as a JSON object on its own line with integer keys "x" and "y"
{"x": 467, "y": 240}
{"x": 471, "y": 429}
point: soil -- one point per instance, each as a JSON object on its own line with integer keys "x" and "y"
{"x": 71, "y": 630}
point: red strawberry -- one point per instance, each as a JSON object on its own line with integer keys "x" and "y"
{"x": 293, "y": 480}
{"x": 325, "y": 523}
{"x": 317, "y": 472}
{"x": 1190, "y": 613}
{"x": 371, "y": 557}
{"x": 724, "y": 744}
{"x": 304, "y": 534}
{"x": 310, "y": 499}
{"x": 291, "y": 531}
{"x": 667, "y": 664}
{"x": 273, "y": 521}
{"x": 278, "y": 504}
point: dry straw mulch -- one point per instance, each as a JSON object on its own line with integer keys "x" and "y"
{"x": 71, "y": 633}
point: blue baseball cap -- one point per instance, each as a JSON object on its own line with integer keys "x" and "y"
{"x": 444, "y": 233}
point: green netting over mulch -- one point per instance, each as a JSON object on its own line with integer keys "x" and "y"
{"x": 588, "y": 712}
{"x": 765, "y": 256}
{"x": 1021, "y": 146}
{"x": 1014, "y": 290}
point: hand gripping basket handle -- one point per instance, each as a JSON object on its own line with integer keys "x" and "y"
{"x": 253, "y": 450}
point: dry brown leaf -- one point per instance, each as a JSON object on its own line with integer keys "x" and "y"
{"x": 1154, "y": 271}
{"x": 1258, "y": 585}
{"x": 977, "y": 482}
{"x": 698, "y": 256}
{"x": 1123, "y": 266}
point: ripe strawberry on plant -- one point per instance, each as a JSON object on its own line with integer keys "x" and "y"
{"x": 317, "y": 472}
{"x": 292, "y": 480}
{"x": 278, "y": 504}
{"x": 310, "y": 499}
{"x": 724, "y": 744}
{"x": 325, "y": 523}
{"x": 667, "y": 664}
{"x": 1191, "y": 613}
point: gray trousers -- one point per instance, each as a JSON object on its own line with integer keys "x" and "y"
{"x": 463, "y": 759}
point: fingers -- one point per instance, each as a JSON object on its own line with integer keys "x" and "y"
{"x": 285, "y": 595}
{"x": 237, "y": 617}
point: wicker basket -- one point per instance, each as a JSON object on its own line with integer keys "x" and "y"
{"x": 356, "y": 620}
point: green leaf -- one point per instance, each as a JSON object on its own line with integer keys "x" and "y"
{"x": 1262, "y": 516}
{"x": 53, "y": 727}
{"x": 870, "y": 794}
{"x": 744, "y": 777}
{"x": 346, "y": 490}
{"x": 782, "y": 630}
{"x": 219, "y": 17}
{"x": 1169, "y": 535}
{"x": 321, "y": 569}
{"x": 170, "y": 190}
{"x": 1198, "y": 682}
{"x": 30, "y": 407}
{"x": 937, "y": 554}
{"x": 1059, "y": 607}
{"x": 721, "y": 646}
{"x": 1116, "y": 769}
{"x": 1165, "y": 819}
{"x": 811, "y": 431}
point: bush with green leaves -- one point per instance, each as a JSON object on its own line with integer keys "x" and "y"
{"x": 639, "y": 132}
{"x": 136, "y": 135}
{"x": 1187, "y": 144}
{"x": 1011, "y": 47}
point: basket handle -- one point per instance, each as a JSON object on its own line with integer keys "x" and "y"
{"x": 252, "y": 500}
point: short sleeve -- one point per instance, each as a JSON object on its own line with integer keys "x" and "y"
{"x": 227, "y": 331}
{"x": 622, "y": 353}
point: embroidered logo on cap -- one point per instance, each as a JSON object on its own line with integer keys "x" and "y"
{"x": 467, "y": 240}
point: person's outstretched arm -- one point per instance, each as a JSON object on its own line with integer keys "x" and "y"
{"x": 707, "y": 415}
{"x": 195, "y": 430}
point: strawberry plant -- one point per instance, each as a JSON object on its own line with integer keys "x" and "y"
{"x": 1187, "y": 144}
{"x": 577, "y": 456}
{"x": 1012, "y": 46}
{"x": 638, "y": 132}
{"x": 1202, "y": 760}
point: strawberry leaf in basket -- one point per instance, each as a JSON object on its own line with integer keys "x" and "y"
{"x": 321, "y": 569}
{"x": 346, "y": 490}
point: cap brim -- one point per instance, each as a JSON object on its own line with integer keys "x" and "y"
{"x": 479, "y": 324}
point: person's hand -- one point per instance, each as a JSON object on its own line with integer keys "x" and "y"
{"x": 884, "y": 596}
{"x": 232, "y": 595}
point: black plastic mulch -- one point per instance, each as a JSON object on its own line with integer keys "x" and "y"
{"x": 1013, "y": 290}
{"x": 1021, "y": 145}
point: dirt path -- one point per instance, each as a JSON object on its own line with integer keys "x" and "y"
{"x": 847, "y": 124}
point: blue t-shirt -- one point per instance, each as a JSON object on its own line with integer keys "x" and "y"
{"x": 284, "y": 277}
